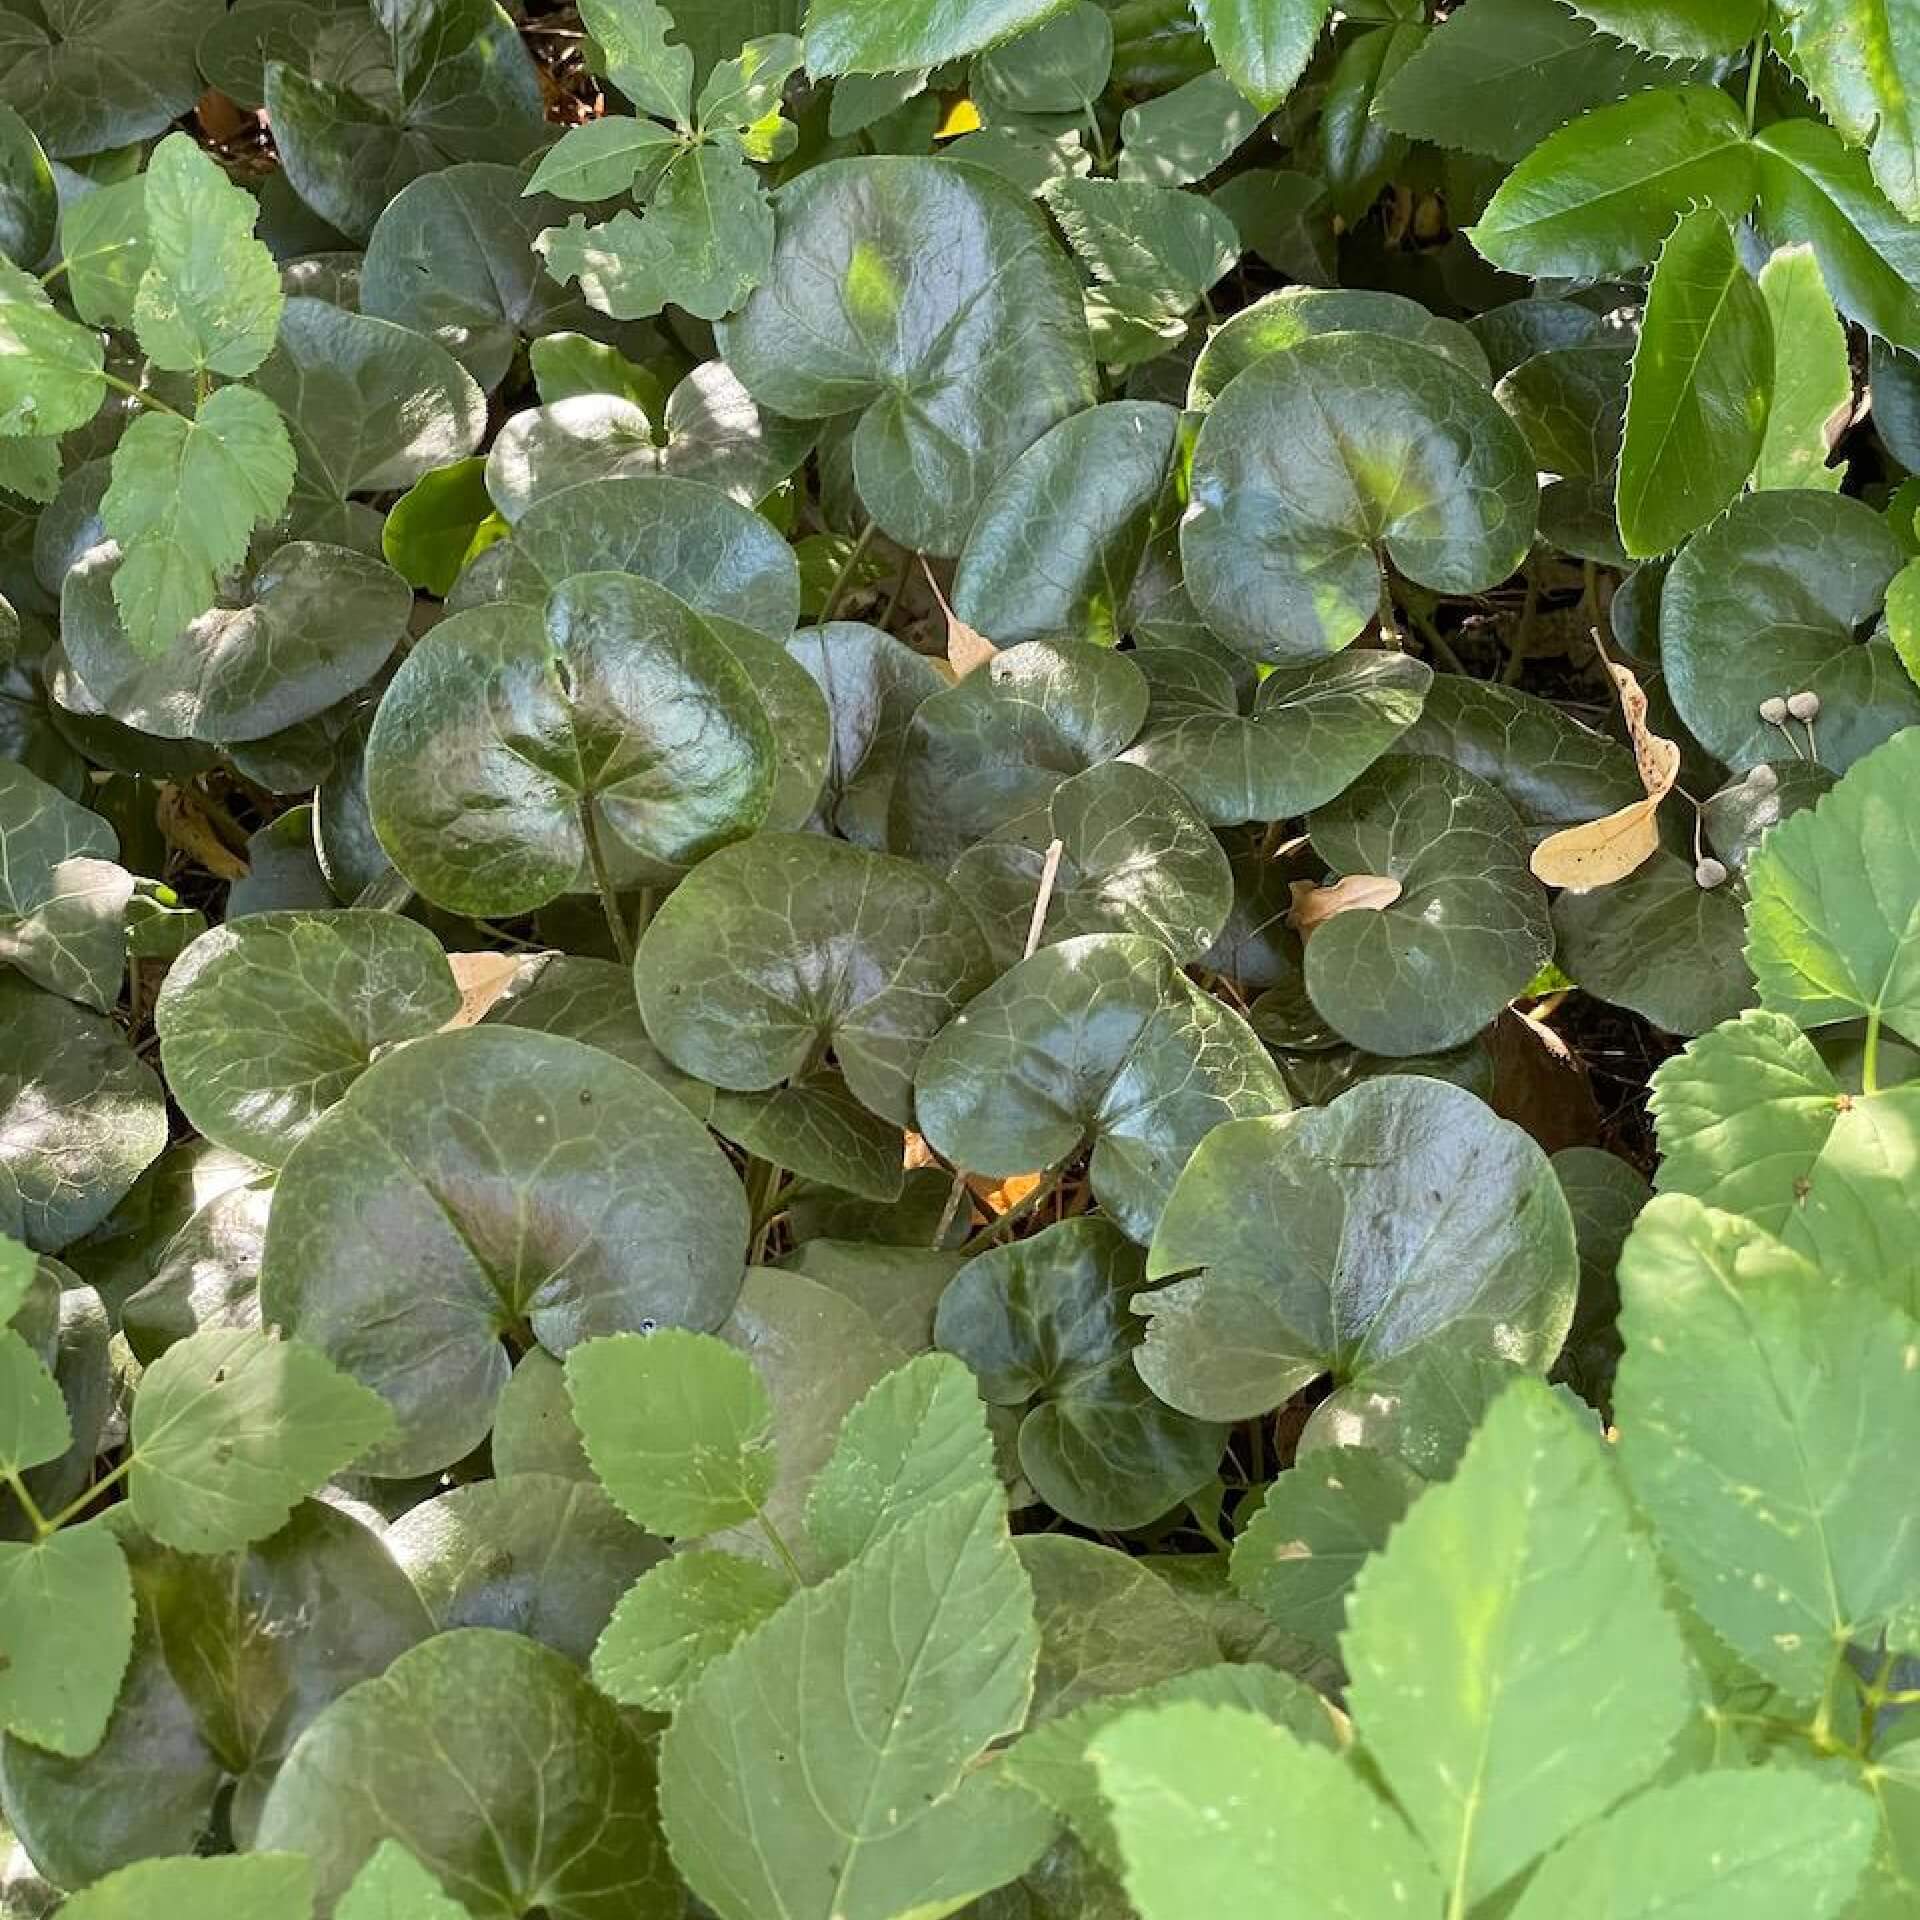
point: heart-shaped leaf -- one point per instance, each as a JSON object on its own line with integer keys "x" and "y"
{"x": 402, "y": 1243}
{"x": 63, "y": 898}
{"x": 1318, "y": 465}
{"x": 954, "y": 374}
{"x": 1097, "y": 1042}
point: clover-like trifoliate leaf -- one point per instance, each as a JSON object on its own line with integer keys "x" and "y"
{"x": 775, "y": 950}
{"x": 677, "y": 1619}
{"x": 1831, "y": 929}
{"x": 1530, "y": 1545}
{"x": 1136, "y": 857}
{"x": 1702, "y": 384}
{"x": 1319, "y": 464}
{"x": 81, "y": 1115}
{"x": 953, "y": 374}
{"x": 1796, "y": 575}
{"x": 716, "y": 555}
{"x": 984, "y": 757}
{"x": 259, "y": 1886}
{"x": 66, "y": 1624}
{"x": 232, "y": 1428}
{"x": 1099, "y": 1041}
{"x": 1312, "y": 730}
{"x": 209, "y": 301}
{"x": 63, "y": 897}
{"x": 497, "y": 1766}
{"x": 1045, "y": 1325}
{"x": 1468, "y": 929}
{"x": 1060, "y": 537}
{"x": 313, "y": 624}
{"x": 1403, "y": 1224}
{"x": 266, "y": 1022}
{"x": 513, "y": 755}
{"x": 883, "y": 1686}
{"x": 1305, "y": 1820}
{"x": 1756, "y": 1399}
{"x": 883, "y": 36}
{"x": 1282, "y": 320}
{"x": 403, "y": 1241}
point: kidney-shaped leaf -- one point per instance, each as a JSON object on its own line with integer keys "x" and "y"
{"x": 1319, "y": 464}
{"x": 1404, "y": 1221}
{"x": 514, "y": 755}
{"x": 931, "y": 300}
{"x": 1046, "y": 1326}
{"x": 1099, "y": 1041}
{"x": 405, "y": 1239}
{"x": 264, "y": 1023}
{"x": 772, "y": 952}
{"x": 62, "y": 897}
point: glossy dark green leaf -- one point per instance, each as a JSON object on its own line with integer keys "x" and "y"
{"x": 497, "y": 1766}
{"x": 1359, "y": 151}
{"x": 436, "y": 1149}
{"x": 1320, "y": 463}
{"x": 1312, "y": 731}
{"x": 207, "y": 1275}
{"x": 265, "y": 1024}
{"x": 953, "y": 374}
{"x": 63, "y": 897}
{"x": 1404, "y": 1227}
{"x": 1574, "y": 207}
{"x": 773, "y": 951}
{"x": 1176, "y": 138}
{"x": 1263, "y": 45}
{"x": 1059, "y": 540}
{"x": 817, "y": 1129}
{"x": 1797, "y": 576}
{"x": 1046, "y": 1326}
{"x": 512, "y": 753}
{"x": 29, "y": 203}
{"x": 1102, "y": 1042}
{"x": 987, "y": 754}
{"x": 1468, "y": 930}
{"x": 80, "y": 1114}
{"x": 311, "y": 626}
{"x": 1062, "y": 65}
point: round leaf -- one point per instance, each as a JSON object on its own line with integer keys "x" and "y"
{"x": 405, "y": 1240}
{"x": 1319, "y": 463}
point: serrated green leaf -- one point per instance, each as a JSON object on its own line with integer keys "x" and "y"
{"x": 255, "y": 1886}
{"x": 1702, "y": 383}
{"x": 601, "y": 158}
{"x": 1517, "y": 1588}
{"x": 677, "y": 1425}
{"x": 1298, "y": 1817}
{"x": 889, "y": 36}
{"x": 745, "y": 90}
{"x": 232, "y": 1428}
{"x": 185, "y": 496}
{"x": 1755, "y": 1399}
{"x": 33, "y": 1417}
{"x": 630, "y": 38}
{"x": 1812, "y": 378}
{"x": 103, "y": 238}
{"x": 393, "y": 1885}
{"x": 17, "y": 1269}
{"x": 1860, "y": 59}
{"x": 677, "y": 1619}
{"x": 66, "y": 1627}
{"x": 1679, "y": 29}
{"x": 49, "y": 368}
{"x": 1599, "y": 196}
{"x": 1263, "y": 45}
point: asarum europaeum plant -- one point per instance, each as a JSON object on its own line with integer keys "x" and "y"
{"x": 959, "y": 957}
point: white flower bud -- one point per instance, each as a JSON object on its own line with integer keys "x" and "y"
{"x": 1710, "y": 873}
{"x": 1773, "y": 710}
{"x": 1804, "y": 706}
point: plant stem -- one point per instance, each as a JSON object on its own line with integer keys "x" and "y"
{"x": 831, "y": 605}
{"x": 781, "y": 1548}
{"x": 28, "y": 1505}
{"x": 151, "y": 401}
{"x": 1523, "y": 638}
{"x": 1389, "y": 624}
{"x": 1756, "y": 62}
{"x": 1870, "y": 1057}
{"x": 603, "y": 883}
{"x": 52, "y": 1523}
{"x": 1434, "y": 638}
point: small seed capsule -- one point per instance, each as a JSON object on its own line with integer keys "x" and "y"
{"x": 1710, "y": 873}
{"x": 1804, "y": 706}
{"x": 1763, "y": 779}
{"x": 1773, "y": 710}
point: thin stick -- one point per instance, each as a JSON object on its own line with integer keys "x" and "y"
{"x": 603, "y": 883}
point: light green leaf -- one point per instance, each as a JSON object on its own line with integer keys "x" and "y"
{"x": 442, "y": 522}
{"x": 62, "y": 897}
{"x": 676, "y": 1620}
{"x": 17, "y": 1270}
{"x": 209, "y": 301}
{"x": 1860, "y": 59}
{"x": 677, "y": 1425}
{"x": 1215, "y": 1809}
{"x": 601, "y": 158}
{"x": 393, "y": 1885}
{"x": 232, "y": 1428}
{"x": 631, "y": 48}
{"x": 1510, "y": 1660}
{"x": 1834, "y": 928}
{"x": 1263, "y": 45}
{"x": 1770, "y": 1844}
{"x": 889, "y": 36}
{"x": 33, "y": 1417}
{"x": 1903, "y": 618}
{"x": 103, "y": 238}
{"x": 1599, "y": 196}
{"x": 256, "y": 1886}
{"x": 66, "y": 1627}
{"x": 1701, "y": 387}
{"x": 881, "y": 1687}
{"x": 49, "y": 368}
{"x": 1758, "y": 1400}
{"x": 918, "y": 1435}
{"x": 184, "y": 498}
{"x": 1812, "y": 380}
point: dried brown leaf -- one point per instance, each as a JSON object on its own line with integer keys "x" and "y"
{"x": 1312, "y": 905}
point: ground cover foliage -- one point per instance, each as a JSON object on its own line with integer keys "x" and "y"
{"x": 959, "y": 957}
